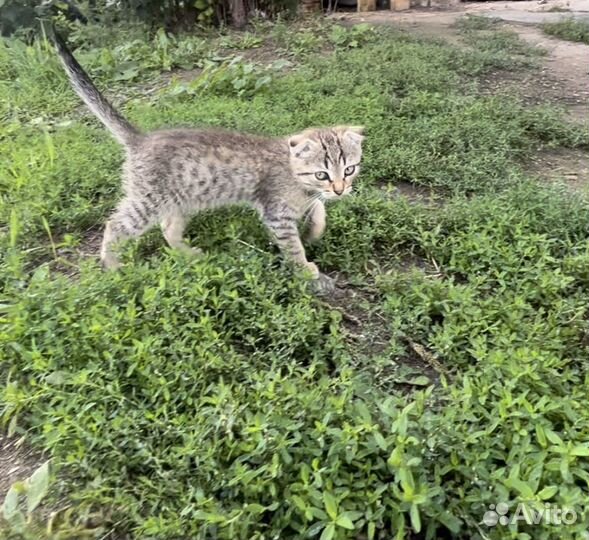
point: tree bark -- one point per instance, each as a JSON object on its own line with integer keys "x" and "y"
{"x": 238, "y": 13}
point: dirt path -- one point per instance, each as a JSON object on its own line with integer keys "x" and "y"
{"x": 566, "y": 65}
{"x": 17, "y": 462}
{"x": 563, "y": 78}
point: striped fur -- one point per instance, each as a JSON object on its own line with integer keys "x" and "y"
{"x": 119, "y": 126}
{"x": 170, "y": 175}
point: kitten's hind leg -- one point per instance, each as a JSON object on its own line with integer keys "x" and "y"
{"x": 131, "y": 219}
{"x": 173, "y": 227}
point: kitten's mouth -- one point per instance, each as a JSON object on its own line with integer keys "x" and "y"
{"x": 332, "y": 195}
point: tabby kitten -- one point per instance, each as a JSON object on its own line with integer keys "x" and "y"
{"x": 171, "y": 175}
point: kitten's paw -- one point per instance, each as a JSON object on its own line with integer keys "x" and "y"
{"x": 194, "y": 252}
{"x": 323, "y": 285}
{"x": 110, "y": 263}
{"x": 312, "y": 269}
{"x": 187, "y": 250}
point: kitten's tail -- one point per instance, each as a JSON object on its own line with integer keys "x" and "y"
{"x": 119, "y": 126}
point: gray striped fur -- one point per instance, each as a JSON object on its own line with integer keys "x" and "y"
{"x": 170, "y": 175}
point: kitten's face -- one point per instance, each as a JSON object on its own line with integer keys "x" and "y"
{"x": 326, "y": 161}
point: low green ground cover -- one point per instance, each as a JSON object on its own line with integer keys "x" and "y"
{"x": 216, "y": 397}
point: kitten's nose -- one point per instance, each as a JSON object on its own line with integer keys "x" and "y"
{"x": 338, "y": 189}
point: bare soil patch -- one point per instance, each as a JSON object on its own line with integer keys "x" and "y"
{"x": 564, "y": 75}
{"x": 17, "y": 462}
{"x": 562, "y": 78}
{"x": 562, "y": 165}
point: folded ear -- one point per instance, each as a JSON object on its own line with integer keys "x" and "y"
{"x": 354, "y": 133}
{"x": 302, "y": 146}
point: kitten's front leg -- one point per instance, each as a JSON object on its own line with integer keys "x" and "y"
{"x": 316, "y": 219}
{"x": 282, "y": 222}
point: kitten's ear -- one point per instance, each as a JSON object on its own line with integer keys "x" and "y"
{"x": 302, "y": 146}
{"x": 354, "y": 133}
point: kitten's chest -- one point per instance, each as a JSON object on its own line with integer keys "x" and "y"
{"x": 301, "y": 202}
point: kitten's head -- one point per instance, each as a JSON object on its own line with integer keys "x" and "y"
{"x": 326, "y": 161}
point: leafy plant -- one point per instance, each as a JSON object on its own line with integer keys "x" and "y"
{"x": 231, "y": 77}
{"x": 244, "y": 42}
{"x": 304, "y": 43}
{"x": 20, "y": 17}
{"x": 134, "y": 58}
{"x": 569, "y": 29}
{"x": 350, "y": 38}
{"x": 33, "y": 491}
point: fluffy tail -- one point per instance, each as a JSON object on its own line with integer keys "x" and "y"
{"x": 119, "y": 126}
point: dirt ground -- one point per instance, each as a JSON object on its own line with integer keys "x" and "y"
{"x": 17, "y": 462}
{"x": 563, "y": 79}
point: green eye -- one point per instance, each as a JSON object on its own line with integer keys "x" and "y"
{"x": 321, "y": 175}
{"x": 350, "y": 170}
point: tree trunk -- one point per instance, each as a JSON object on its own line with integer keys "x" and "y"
{"x": 238, "y": 14}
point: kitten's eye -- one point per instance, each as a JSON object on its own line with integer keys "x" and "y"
{"x": 350, "y": 170}
{"x": 321, "y": 175}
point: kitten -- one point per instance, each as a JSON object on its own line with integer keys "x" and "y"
{"x": 171, "y": 175}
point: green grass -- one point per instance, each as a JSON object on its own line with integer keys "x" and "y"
{"x": 558, "y": 9}
{"x": 501, "y": 47}
{"x": 569, "y": 29}
{"x": 476, "y": 23}
{"x": 216, "y": 398}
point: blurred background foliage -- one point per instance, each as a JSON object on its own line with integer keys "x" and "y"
{"x": 21, "y": 17}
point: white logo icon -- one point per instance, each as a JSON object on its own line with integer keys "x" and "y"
{"x": 496, "y": 514}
